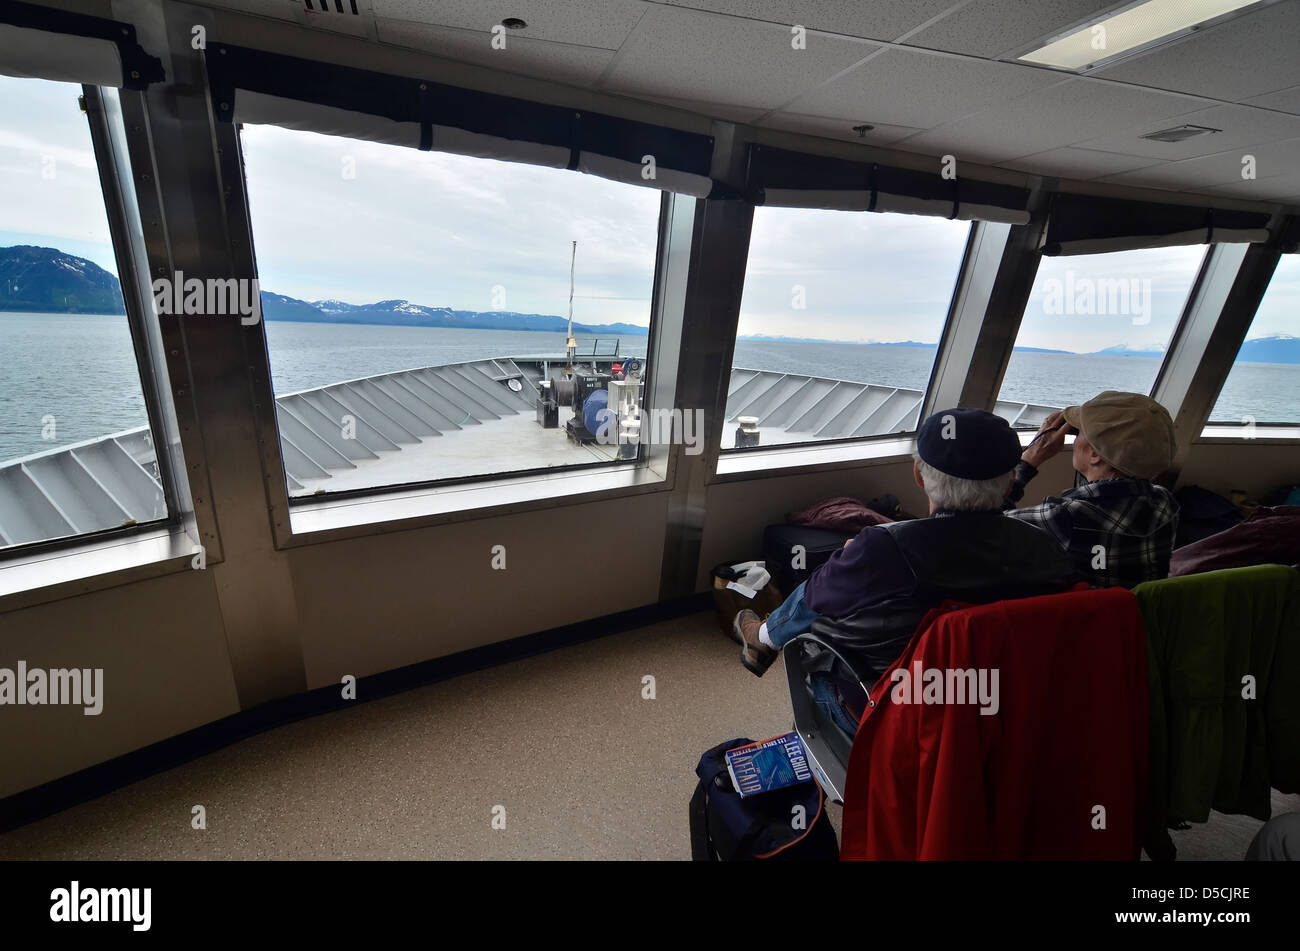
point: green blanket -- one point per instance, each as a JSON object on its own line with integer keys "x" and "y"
{"x": 1223, "y": 659}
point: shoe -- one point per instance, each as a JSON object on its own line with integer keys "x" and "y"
{"x": 754, "y": 654}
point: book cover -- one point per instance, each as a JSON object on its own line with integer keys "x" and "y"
{"x": 768, "y": 764}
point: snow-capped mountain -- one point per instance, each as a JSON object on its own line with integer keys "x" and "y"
{"x": 402, "y": 312}
{"x": 1278, "y": 348}
{"x": 1131, "y": 350}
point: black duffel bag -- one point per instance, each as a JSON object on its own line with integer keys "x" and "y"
{"x": 788, "y": 824}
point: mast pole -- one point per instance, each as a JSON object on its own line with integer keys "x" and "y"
{"x": 571, "y": 346}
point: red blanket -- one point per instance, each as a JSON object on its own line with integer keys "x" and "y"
{"x": 840, "y": 514}
{"x": 1057, "y": 767}
{"x": 1270, "y": 536}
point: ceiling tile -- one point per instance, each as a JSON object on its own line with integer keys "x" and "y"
{"x": 714, "y": 110}
{"x": 1242, "y": 127}
{"x": 877, "y": 20}
{"x": 330, "y": 19}
{"x": 280, "y": 9}
{"x": 580, "y": 65}
{"x": 1078, "y": 163}
{"x": 1047, "y": 119}
{"x": 603, "y": 23}
{"x": 1249, "y": 56}
{"x": 1261, "y": 189}
{"x": 685, "y": 55}
{"x": 905, "y": 87}
{"x": 1286, "y": 100}
{"x": 1272, "y": 160}
{"x": 836, "y": 128}
{"x": 993, "y": 27}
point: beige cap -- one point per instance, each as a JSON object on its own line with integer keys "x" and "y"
{"x": 1132, "y": 432}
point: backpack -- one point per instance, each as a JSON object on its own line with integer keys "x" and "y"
{"x": 1202, "y": 513}
{"x": 728, "y": 828}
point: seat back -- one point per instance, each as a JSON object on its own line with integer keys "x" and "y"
{"x": 825, "y": 741}
{"x": 1049, "y": 762}
{"x": 1225, "y": 689}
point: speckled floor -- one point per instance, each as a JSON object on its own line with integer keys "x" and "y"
{"x": 584, "y": 767}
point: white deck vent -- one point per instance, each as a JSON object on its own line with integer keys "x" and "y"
{"x": 1179, "y": 133}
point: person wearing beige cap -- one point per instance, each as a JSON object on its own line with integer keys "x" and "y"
{"x": 1118, "y": 526}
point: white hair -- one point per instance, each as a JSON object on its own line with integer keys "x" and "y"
{"x": 963, "y": 495}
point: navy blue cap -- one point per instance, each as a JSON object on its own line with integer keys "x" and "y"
{"x": 968, "y": 443}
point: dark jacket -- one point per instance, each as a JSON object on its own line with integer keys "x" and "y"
{"x": 873, "y": 594}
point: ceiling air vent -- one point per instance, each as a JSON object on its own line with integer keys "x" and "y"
{"x": 1178, "y": 133}
{"x": 332, "y": 6}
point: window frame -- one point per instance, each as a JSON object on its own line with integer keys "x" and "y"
{"x": 789, "y": 451}
{"x": 1175, "y": 334}
{"x": 302, "y": 520}
{"x": 1281, "y": 430}
{"x": 116, "y": 181}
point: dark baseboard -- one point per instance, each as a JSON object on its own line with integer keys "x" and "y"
{"x": 94, "y": 781}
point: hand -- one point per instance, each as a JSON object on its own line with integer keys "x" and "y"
{"x": 1049, "y": 441}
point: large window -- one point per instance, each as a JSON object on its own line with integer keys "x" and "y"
{"x": 1264, "y": 384}
{"x": 76, "y": 450}
{"x": 416, "y": 308}
{"x": 839, "y": 324}
{"x": 1096, "y": 322}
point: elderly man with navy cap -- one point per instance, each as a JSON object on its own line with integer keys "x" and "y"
{"x": 888, "y": 577}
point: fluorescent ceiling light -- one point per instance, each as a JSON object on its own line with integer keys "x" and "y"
{"x": 1134, "y": 29}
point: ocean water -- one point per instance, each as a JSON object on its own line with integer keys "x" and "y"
{"x": 73, "y": 376}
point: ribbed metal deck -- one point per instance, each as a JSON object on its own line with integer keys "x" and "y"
{"x": 93, "y": 485}
{"x": 329, "y": 432}
{"x": 791, "y": 407}
{"x": 333, "y": 427}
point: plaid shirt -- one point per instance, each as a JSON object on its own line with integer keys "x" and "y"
{"x": 1117, "y": 531}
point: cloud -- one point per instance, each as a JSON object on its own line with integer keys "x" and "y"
{"x": 444, "y": 230}
{"x": 451, "y": 230}
{"x": 857, "y": 276}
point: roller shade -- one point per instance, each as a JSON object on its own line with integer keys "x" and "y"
{"x": 42, "y": 43}
{"x": 800, "y": 180}
{"x": 1088, "y": 224}
{"x": 259, "y": 87}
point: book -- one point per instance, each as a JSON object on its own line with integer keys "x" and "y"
{"x": 769, "y": 764}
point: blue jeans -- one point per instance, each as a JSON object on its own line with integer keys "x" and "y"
{"x": 791, "y": 619}
{"x": 787, "y": 622}
{"x": 827, "y": 696}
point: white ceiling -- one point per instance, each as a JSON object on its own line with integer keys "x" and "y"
{"x": 925, "y": 73}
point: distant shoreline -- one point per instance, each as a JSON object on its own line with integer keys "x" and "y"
{"x": 613, "y": 331}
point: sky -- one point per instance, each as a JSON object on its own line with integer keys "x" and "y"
{"x": 445, "y": 230}
{"x": 360, "y": 222}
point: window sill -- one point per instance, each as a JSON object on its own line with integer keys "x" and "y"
{"x": 1235, "y": 433}
{"x": 793, "y": 460}
{"x": 328, "y": 519}
{"x": 79, "y": 569}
